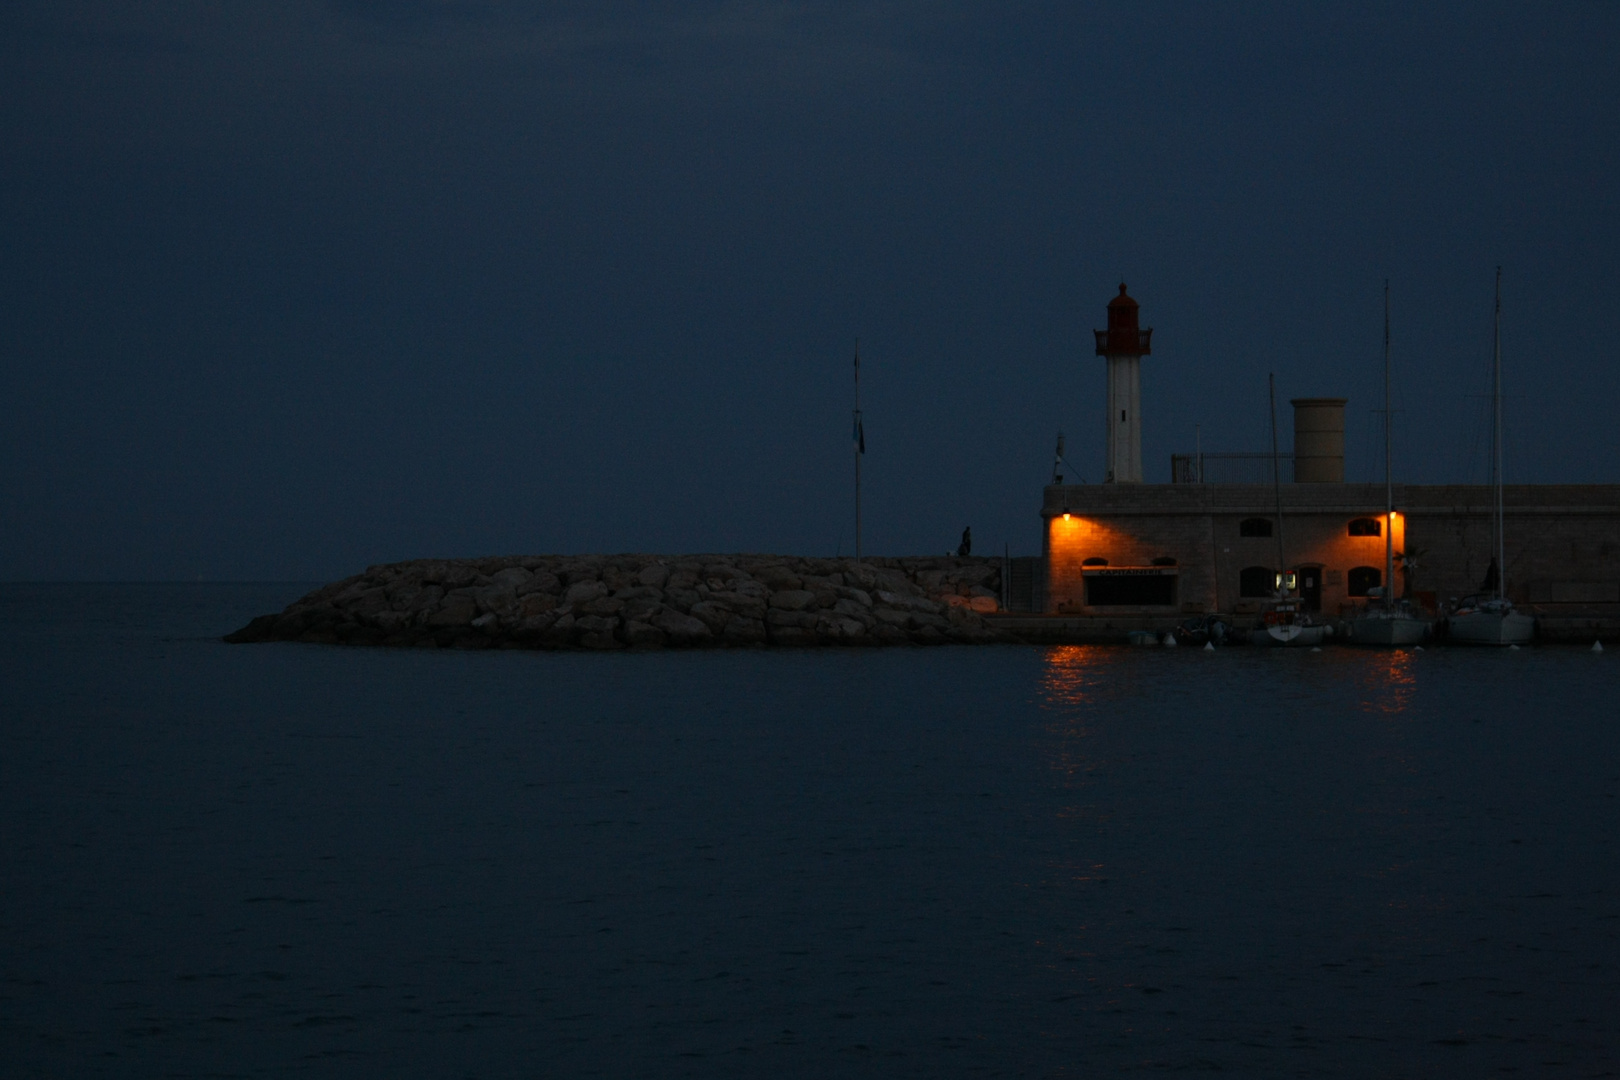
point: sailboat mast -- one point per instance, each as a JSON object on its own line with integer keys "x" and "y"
{"x": 1389, "y": 485}
{"x": 860, "y": 450}
{"x": 1276, "y": 480}
{"x": 1496, "y": 440}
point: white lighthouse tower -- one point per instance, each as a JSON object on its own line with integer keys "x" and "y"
{"x": 1123, "y": 345}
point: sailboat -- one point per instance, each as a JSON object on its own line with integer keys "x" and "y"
{"x": 1390, "y": 621}
{"x": 1491, "y": 620}
{"x": 1285, "y": 620}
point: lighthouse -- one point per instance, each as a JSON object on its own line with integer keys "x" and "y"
{"x": 1123, "y": 345}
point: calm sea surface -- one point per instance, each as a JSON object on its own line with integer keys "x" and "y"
{"x": 288, "y": 860}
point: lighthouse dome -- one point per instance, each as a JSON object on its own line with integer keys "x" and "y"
{"x": 1122, "y": 300}
{"x": 1124, "y": 337}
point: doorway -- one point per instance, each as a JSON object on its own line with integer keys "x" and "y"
{"x": 1310, "y": 587}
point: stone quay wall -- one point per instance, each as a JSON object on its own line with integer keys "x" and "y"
{"x": 646, "y": 601}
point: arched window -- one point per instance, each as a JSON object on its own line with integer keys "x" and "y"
{"x": 1164, "y": 560}
{"x": 1257, "y": 581}
{"x": 1094, "y": 561}
{"x": 1363, "y": 578}
{"x": 1254, "y": 527}
{"x": 1366, "y": 527}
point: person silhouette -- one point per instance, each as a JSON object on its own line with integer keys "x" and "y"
{"x": 1492, "y": 576}
{"x": 967, "y": 542}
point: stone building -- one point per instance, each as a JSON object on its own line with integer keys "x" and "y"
{"x": 1187, "y": 548}
{"x": 1194, "y": 546}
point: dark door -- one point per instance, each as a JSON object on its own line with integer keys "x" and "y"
{"x": 1310, "y": 587}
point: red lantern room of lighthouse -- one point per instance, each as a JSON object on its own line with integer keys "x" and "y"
{"x": 1123, "y": 345}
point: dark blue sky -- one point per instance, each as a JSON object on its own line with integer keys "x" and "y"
{"x": 288, "y": 288}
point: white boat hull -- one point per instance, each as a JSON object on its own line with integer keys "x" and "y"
{"x": 1291, "y": 634}
{"x": 1491, "y": 628}
{"x": 1397, "y": 630}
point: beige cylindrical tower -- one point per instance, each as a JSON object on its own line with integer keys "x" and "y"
{"x": 1319, "y": 440}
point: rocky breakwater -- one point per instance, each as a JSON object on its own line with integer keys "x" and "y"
{"x": 646, "y": 601}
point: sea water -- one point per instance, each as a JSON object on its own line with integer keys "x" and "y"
{"x": 296, "y": 860}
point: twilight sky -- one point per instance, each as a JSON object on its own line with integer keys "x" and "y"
{"x": 289, "y": 288}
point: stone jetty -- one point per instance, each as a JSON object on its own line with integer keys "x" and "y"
{"x": 646, "y": 601}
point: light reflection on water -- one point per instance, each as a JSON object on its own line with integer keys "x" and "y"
{"x": 1390, "y": 680}
{"x": 1384, "y": 679}
{"x": 1070, "y": 671}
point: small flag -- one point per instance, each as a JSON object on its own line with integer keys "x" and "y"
{"x": 860, "y": 429}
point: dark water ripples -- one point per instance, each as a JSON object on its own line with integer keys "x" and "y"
{"x": 293, "y": 860}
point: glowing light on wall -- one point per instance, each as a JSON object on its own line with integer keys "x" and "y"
{"x": 1067, "y": 533}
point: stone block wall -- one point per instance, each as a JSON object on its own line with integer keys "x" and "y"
{"x": 1563, "y": 541}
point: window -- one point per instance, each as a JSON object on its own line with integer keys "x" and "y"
{"x": 1363, "y": 578}
{"x": 1094, "y": 561}
{"x": 1366, "y": 527}
{"x": 1257, "y": 581}
{"x": 1164, "y": 560}
{"x": 1254, "y": 527}
{"x": 1151, "y": 590}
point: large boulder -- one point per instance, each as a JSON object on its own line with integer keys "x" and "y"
{"x": 805, "y": 620}
{"x": 532, "y": 604}
{"x": 583, "y": 592}
{"x": 598, "y": 631}
{"x": 513, "y": 577}
{"x": 459, "y": 608}
{"x": 793, "y": 599}
{"x": 683, "y": 629}
{"x": 715, "y": 616}
{"x": 744, "y": 631}
{"x": 425, "y": 598}
{"x": 792, "y": 635}
{"x": 748, "y": 606}
{"x": 840, "y": 628}
{"x": 854, "y": 610}
{"x": 498, "y": 599}
{"x": 540, "y": 581}
{"x": 892, "y": 616}
{"x": 261, "y": 628}
{"x": 560, "y": 633}
{"x": 641, "y": 609}
{"x": 642, "y": 635}
{"x": 777, "y": 578}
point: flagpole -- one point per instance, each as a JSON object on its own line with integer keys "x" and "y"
{"x": 860, "y": 449}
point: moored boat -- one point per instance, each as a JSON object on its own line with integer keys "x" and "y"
{"x": 1286, "y": 622}
{"x": 1399, "y": 624}
{"x": 1385, "y": 621}
{"x": 1491, "y": 620}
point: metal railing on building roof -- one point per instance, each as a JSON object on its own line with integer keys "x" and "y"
{"x": 1228, "y": 468}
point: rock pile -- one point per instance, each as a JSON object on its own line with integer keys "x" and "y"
{"x": 646, "y": 601}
